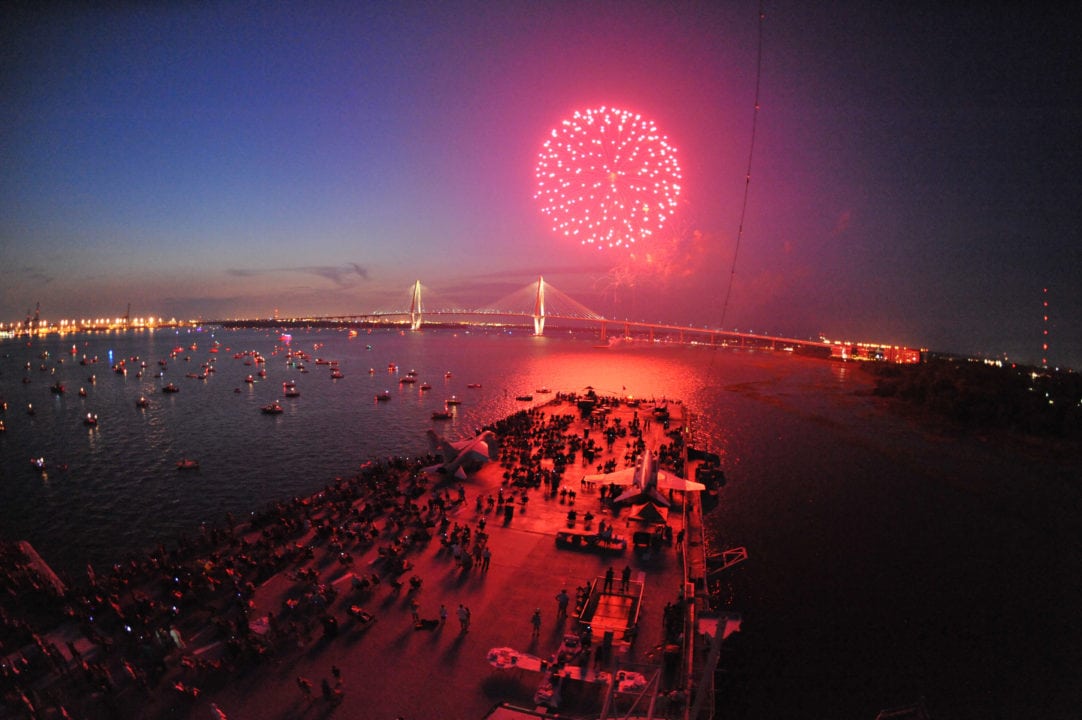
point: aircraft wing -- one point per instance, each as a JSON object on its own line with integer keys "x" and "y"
{"x": 666, "y": 481}
{"x": 618, "y": 477}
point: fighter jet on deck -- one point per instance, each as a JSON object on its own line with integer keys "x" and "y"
{"x": 462, "y": 456}
{"x": 646, "y": 480}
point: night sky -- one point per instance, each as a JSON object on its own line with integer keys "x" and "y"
{"x": 915, "y": 177}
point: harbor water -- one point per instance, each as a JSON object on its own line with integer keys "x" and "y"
{"x": 890, "y": 561}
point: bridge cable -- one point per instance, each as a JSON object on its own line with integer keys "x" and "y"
{"x": 747, "y": 175}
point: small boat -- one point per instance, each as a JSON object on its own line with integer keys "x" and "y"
{"x": 447, "y": 374}
{"x": 273, "y": 409}
{"x": 383, "y": 396}
{"x": 453, "y": 400}
{"x": 187, "y": 464}
{"x": 425, "y": 386}
{"x": 292, "y": 392}
{"x": 2, "y": 428}
{"x": 442, "y": 415}
{"x": 38, "y": 463}
{"x": 543, "y": 390}
{"x": 406, "y": 380}
{"x": 141, "y": 402}
{"x": 336, "y": 374}
{"x": 249, "y": 379}
{"x": 82, "y": 392}
{"x": 170, "y": 388}
{"x": 474, "y": 385}
{"x": 57, "y": 388}
{"x": 91, "y": 420}
{"x": 524, "y": 398}
{"x": 289, "y": 385}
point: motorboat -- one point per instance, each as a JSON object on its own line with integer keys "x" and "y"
{"x": 57, "y": 388}
{"x": 170, "y": 388}
{"x": 425, "y": 386}
{"x": 453, "y": 400}
{"x": 141, "y": 402}
{"x": 273, "y": 409}
{"x": 524, "y": 398}
{"x": 543, "y": 390}
{"x": 383, "y": 396}
{"x": 336, "y": 374}
{"x": 442, "y": 415}
{"x": 474, "y": 385}
{"x": 91, "y": 420}
{"x": 187, "y": 464}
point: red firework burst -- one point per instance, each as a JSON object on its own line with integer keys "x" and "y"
{"x": 607, "y": 177}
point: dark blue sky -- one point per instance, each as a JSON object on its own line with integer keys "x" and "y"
{"x": 915, "y": 177}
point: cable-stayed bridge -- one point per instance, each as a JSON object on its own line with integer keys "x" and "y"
{"x": 540, "y": 302}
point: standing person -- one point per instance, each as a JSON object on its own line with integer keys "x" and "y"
{"x": 443, "y": 614}
{"x": 562, "y": 598}
{"x": 536, "y": 622}
{"x": 610, "y": 574}
{"x": 415, "y": 610}
{"x": 305, "y": 686}
{"x": 486, "y": 557}
{"x": 463, "y": 613}
{"x": 625, "y": 579}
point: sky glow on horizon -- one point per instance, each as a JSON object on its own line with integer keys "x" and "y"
{"x": 915, "y": 176}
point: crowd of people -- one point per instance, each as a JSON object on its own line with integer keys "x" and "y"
{"x": 180, "y": 619}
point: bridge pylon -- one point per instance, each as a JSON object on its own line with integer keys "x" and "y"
{"x": 415, "y": 306}
{"x": 539, "y": 308}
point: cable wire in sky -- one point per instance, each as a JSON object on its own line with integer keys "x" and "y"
{"x": 747, "y": 175}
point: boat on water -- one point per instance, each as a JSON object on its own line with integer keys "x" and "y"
{"x": 442, "y": 415}
{"x": 473, "y": 385}
{"x": 273, "y": 409}
{"x": 453, "y": 400}
{"x": 383, "y": 396}
{"x": 91, "y": 420}
{"x": 57, "y": 388}
{"x": 425, "y": 386}
{"x": 524, "y": 398}
{"x": 336, "y": 374}
{"x": 543, "y": 390}
{"x": 407, "y": 380}
{"x": 170, "y": 388}
{"x": 187, "y": 464}
{"x": 292, "y": 392}
{"x": 82, "y": 392}
{"x": 38, "y": 463}
{"x": 141, "y": 402}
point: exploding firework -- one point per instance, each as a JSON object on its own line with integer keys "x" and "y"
{"x": 608, "y": 178}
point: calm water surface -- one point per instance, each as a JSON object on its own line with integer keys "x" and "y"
{"x": 888, "y": 563}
